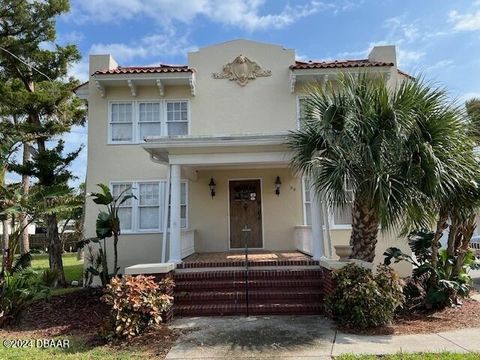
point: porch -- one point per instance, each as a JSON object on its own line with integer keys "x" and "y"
{"x": 255, "y": 258}
{"x": 240, "y": 190}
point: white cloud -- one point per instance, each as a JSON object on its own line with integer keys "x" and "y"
{"x": 72, "y": 37}
{"x": 244, "y": 14}
{"x": 439, "y": 65}
{"x": 79, "y": 70}
{"x": 465, "y": 22}
{"x": 163, "y": 45}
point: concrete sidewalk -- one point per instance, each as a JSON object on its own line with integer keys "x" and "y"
{"x": 300, "y": 337}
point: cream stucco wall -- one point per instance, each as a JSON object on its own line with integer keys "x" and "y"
{"x": 222, "y": 106}
{"x": 385, "y": 240}
{"x": 210, "y": 216}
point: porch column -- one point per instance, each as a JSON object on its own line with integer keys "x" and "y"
{"x": 175, "y": 234}
{"x": 317, "y": 226}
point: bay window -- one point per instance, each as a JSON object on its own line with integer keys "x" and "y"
{"x": 146, "y": 212}
{"x": 133, "y": 121}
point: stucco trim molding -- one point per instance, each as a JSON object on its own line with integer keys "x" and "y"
{"x": 241, "y": 70}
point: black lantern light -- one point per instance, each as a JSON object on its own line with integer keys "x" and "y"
{"x": 212, "y": 187}
{"x": 278, "y": 183}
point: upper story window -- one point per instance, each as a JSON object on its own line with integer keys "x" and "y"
{"x": 301, "y": 111}
{"x": 121, "y": 122}
{"x": 132, "y": 121}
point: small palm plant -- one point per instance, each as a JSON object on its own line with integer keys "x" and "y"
{"x": 108, "y": 225}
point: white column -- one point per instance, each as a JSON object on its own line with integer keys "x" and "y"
{"x": 175, "y": 234}
{"x": 317, "y": 226}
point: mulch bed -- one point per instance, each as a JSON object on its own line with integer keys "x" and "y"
{"x": 81, "y": 314}
{"x": 461, "y": 317}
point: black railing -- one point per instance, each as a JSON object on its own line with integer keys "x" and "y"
{"x": 246, "y": 234}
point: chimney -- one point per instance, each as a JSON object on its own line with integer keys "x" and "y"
{"x": 384, "y": 53}
{"x": 101, "y": 62}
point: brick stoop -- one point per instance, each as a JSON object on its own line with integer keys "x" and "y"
{"x": 280, "y": 289}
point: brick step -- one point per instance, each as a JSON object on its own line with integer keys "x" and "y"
{"x": 232, "y": 285}
{"x": 286, "y": 296}
{"x": 251, "y": 263}
{"x": 252, "y": 274}
{"x": 241, "y": 309}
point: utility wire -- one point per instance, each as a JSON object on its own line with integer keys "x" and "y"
{"x": 25, "y": 63}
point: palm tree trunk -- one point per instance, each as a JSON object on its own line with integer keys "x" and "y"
{"x": 364, "y": 231}
{"x": 441, "y": 226}
{"x": 468, "y": 227}
{"x": 55, "y": 248}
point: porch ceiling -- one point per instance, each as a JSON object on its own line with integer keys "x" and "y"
{"x": 214, "y": 151}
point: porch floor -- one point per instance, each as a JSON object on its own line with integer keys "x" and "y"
{"x": 253, "y": 256}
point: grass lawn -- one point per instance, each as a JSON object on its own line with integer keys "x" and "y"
{"x": 424, "y": 356}
{"x": 72, "y": 267}
{"x": 77, "y": 350}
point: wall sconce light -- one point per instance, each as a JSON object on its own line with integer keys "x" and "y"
{"x": 212, "y": 187}
{"x": 278, "y": 183}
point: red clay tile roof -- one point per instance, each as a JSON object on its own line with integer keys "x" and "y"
{"x": 338, "y": 64}
{"x": 162, "y": 68}
{"x": 405, "y": 74}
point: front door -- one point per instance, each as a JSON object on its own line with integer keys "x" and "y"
{"x": 245, "y": 211}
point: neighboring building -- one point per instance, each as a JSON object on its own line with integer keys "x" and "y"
{"x": 215, "y": 130}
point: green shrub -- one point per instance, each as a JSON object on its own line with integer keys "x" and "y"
{"x": 17, "y": 291}
{"x": 362, "y": 299}
{"x": 50, "y": 277}
{"x": 433, "y": 286}
{"x": 137, "y": 302}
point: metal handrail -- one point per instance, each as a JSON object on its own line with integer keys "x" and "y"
{"x": 246, "y": 232}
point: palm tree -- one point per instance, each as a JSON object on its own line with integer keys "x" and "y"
{"x": 371, "y": 136}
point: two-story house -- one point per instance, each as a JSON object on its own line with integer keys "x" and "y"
{"x": 202, "y": 146}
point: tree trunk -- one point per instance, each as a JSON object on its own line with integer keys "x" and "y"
{"x": 452, "y": 238}
{"x": 25, "y": 241}
{"x": 55, "y": 248}
{"x": 115, "y": 253}
{"x": 468, "y": 227}
{"x": 365, "y": 226}
{"x": 441, "y": 226}
{"x": 5, "y": 244}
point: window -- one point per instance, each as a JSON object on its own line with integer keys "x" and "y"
{"x": 342, "y": 216}
{"x": 132, "y": 122}
{"x": 301, "y": 111}
{"x": 149, "y": 206}
{"x": 121, "y": 122}
{"x": 183, "y": 205}
{"x": 338, "y": 217}
{"x": 307, "y": 203}
{"x": 177, "y": 118}
{"x": 149, "y": 120}
{"x": 145, "y": 213}
{"x": 125, "y": 211}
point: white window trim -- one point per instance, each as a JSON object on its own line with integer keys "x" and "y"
{"x": 330, "y": 215}
{"x": 135, "y": 208}
{"x": 305, "y": 202}
{"x": 299, "y": 98}
{"x": 109, "y": 122}
{"x": 136, "y": 118}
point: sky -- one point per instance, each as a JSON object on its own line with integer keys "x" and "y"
{"x": 437, "y": 38}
